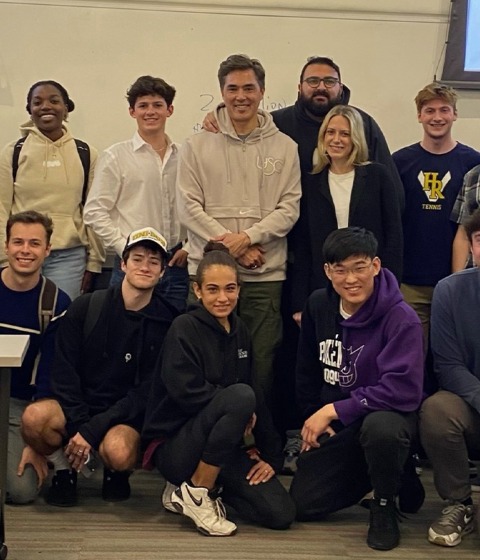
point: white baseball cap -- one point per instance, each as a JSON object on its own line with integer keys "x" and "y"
{"x": 147, "y": 234}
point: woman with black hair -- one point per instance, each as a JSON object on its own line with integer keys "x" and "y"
{"x": 201, "y": 408}
{"x": 49, "y": 171}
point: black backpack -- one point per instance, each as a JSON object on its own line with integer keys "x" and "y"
{"x": 83, "y": 150}
{"x": 95, "y": 305}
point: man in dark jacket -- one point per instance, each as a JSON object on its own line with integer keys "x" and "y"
{"x": 450, "y": 418}
{"x": 105, "y": 356}
{"x": 359, "y": 383}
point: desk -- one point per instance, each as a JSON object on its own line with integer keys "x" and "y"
{"x": 13, "y": 348}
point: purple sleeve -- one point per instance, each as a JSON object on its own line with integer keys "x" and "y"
{"x": 400, "y": 382}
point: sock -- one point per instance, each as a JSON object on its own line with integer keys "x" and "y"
{"x": 468, "y": 502}
{"x": 58, "y": 460}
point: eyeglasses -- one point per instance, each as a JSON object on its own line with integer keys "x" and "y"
{"x": 328, "y": 82}
{"x": 358, "y": 270}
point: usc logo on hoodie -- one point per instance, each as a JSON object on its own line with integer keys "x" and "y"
{"x": 270, "y": 165}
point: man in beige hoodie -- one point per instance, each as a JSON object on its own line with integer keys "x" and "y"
{"x": 242, "y": 187}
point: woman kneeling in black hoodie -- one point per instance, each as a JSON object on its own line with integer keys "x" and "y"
{"x": 201, "y": 407}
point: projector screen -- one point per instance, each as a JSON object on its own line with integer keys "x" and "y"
{"x": 461, "y": 68}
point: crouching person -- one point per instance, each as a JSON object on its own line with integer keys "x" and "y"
{"x": 29, "y": 304}
{"x": 201, "y": 407}
{"x": 450, "y": 419}
{"x": 105, "y": 354}
{"x": 359, "y": 383}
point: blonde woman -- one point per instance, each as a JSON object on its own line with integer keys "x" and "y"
{"x": 344, "y": 189}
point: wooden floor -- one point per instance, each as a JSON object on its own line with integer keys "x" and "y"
{"x": 140, "y": 529}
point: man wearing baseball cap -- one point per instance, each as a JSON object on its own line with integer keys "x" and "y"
{"x": 105, "y": 355}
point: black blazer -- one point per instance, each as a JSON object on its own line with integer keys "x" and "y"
{"x": 374, "y": 205}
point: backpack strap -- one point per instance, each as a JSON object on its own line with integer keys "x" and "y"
{"x": 46, "y": 308}
{"x": 16, "y": 154}
{"x": 83, "y": 150}
{"x": 95, "y": 306}
{"x": 48, "y": 302}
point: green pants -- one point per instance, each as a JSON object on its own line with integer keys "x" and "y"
{"x": 259, "y": 308}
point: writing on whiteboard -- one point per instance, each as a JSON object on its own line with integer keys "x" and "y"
{"x": 207, "y": 104}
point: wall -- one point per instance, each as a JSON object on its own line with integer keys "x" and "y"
{"x": 387, "y": 51}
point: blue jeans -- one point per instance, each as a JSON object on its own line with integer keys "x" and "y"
{"x": 66, "y": 268}
{"x": 173, "y": 286}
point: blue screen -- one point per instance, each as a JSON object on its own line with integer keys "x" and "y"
{"x": 472, "y": 45}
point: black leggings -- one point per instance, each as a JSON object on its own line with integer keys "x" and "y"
{"x": 214, "y": 436}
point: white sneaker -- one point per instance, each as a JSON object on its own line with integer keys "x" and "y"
{"x": 207, "y": 513}
{"x": 455, "y": 522}
{"x": 167, "y": 497}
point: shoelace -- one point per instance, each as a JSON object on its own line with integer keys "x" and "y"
{"x": 220, "y": 508}
{"x": 293, "y": 446}
{"x": 450, "y": 514}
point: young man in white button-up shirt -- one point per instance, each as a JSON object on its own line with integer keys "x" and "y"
{"x": 134, "y": 185}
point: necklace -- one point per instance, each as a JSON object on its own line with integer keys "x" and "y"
{"x": 161, "y": 149}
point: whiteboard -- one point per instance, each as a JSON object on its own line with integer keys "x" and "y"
{"x": 97, "y": 49}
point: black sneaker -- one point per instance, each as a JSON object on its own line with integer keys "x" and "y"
{"x": 383, "y": 532}
{"x": 116, "y": 487}
{"x": 411, "y": 494}
{"x": 63, "y": 491}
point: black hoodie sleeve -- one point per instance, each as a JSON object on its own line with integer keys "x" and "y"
{"x": 65, "y": 378}
{"x": 308, "y": 375}
{"x": 182, "y": 370}
{"x": 124, "y": 411}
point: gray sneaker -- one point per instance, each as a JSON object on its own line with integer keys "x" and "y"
{"x": 291, "y": 451}
{"x": 207, "y": 513}
{"x": 455, "y": 522}
{"x": 167, "y": 497}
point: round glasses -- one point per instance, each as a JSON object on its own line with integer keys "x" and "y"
{"x": 314, "y": 82}
{"x": 357, "y": 270}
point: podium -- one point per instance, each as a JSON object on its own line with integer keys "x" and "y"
{"x": 13, "y": 348}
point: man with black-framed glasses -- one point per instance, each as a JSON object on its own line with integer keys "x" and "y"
{"x": 358, "y": 385}
{"x": 320, "y": 88}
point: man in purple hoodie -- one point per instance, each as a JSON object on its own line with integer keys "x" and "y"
{"x": 359, "y": 384}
